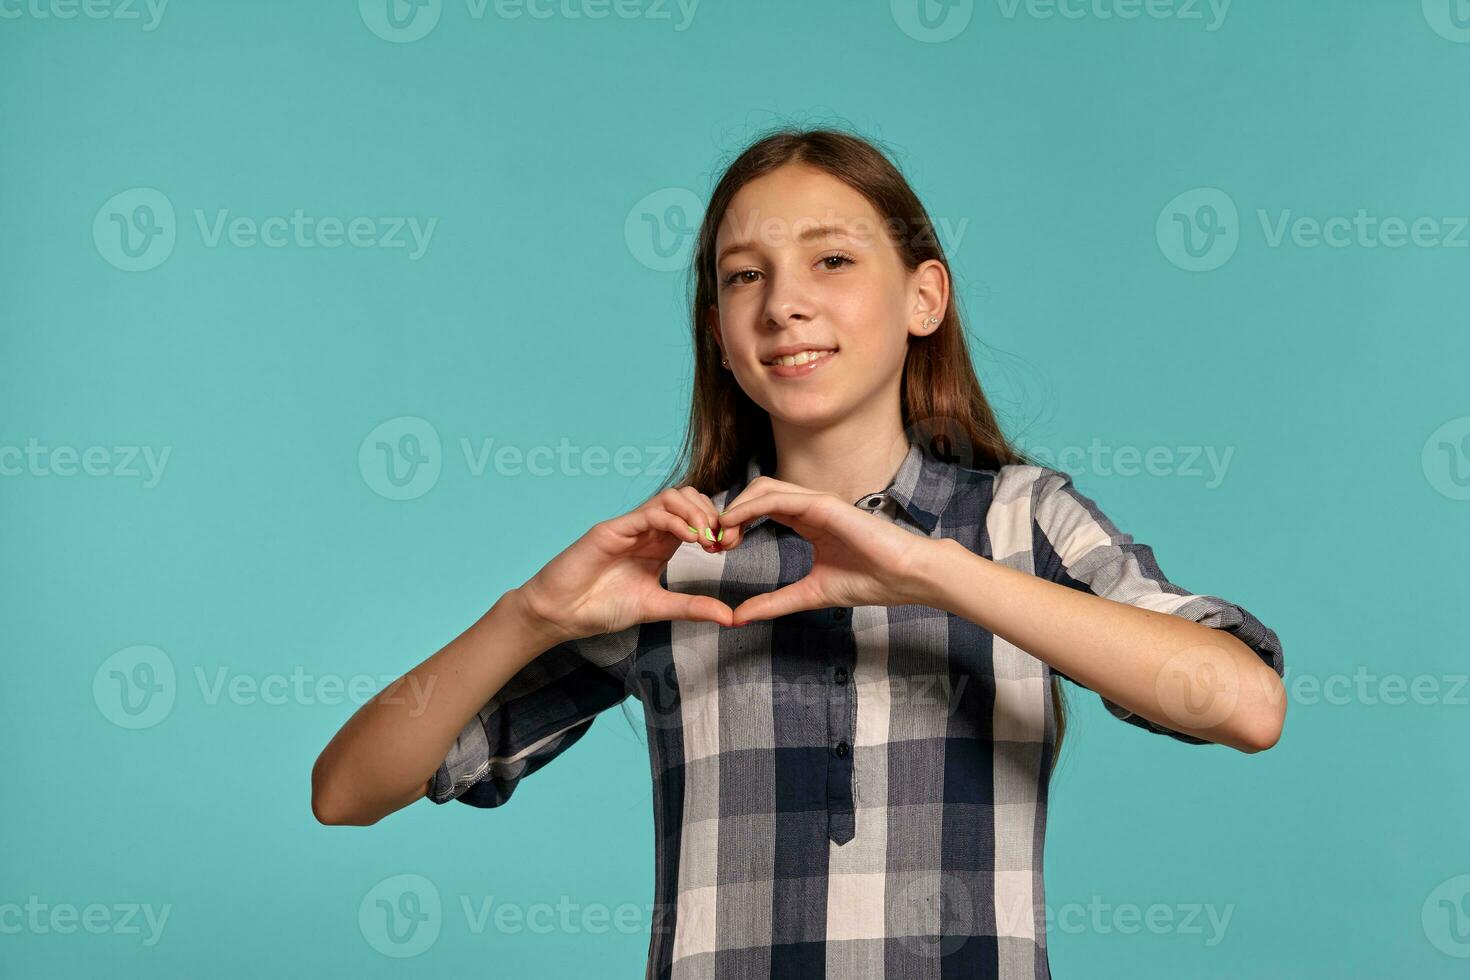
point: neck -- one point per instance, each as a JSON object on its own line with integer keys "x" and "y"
{"x": 852, "y": 459}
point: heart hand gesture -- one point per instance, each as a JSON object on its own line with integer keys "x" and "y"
{"x": 608, "y": 579}
{"x": 858, "y": 559}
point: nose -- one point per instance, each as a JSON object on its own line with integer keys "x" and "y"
{"x": 786, "y": 304}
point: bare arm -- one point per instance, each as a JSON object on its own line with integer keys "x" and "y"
{"x": 386, "y": 754}
{"x": 1118, "y": 650}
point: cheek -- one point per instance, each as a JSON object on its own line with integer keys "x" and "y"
{"x": 868, "y": 322}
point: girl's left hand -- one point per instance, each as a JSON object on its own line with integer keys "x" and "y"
{"x": 858, "y": 559}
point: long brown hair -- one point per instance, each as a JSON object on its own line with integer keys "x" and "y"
{"x": 943, "y": 406}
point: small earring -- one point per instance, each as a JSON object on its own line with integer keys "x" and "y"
{"x": 724, "y": 361}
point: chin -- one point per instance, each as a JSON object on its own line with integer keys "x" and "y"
{"x": 807, "y": 411}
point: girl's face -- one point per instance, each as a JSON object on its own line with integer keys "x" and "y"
{"x": 802, "y": 260}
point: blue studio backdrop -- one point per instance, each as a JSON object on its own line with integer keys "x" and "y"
{"x": 1214, "y": 260}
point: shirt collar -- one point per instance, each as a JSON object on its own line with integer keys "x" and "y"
{"x": 922, "y": 487}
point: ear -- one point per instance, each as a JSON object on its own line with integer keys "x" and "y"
{"x": 929, "y": 289}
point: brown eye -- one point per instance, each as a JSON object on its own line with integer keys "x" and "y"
{"x": 730, "y": 279}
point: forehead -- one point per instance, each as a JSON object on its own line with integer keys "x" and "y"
{"x": 778, "y": 208}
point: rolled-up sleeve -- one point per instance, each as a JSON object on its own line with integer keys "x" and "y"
{"x": 542, "y": 711}
{"x": 1076, "y": 545}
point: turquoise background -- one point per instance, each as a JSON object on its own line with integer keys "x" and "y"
{"x": 1054, "y": 147}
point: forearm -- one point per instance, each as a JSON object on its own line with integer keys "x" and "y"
{"x": 384, "y": 756}
{"x": 1168, "y": 669}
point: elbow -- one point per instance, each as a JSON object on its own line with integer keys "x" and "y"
{"x": 325, "y": 812}
{"x": 327, "y": 805}
{"x": 330, "y": 813}
{"x": 1258, "y": 742}
{"x": 1259, "y": 720}
{"x": 323, "y": 805}
{"x": 1263, "y": 732}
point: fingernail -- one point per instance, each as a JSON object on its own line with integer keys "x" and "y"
{"x": 721, "y": 535}
{"x": 693, "y": 530}
{"x": 709, "y": 534}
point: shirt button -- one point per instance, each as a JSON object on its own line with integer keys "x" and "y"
{"x": 841, "y": 675}
{"x": 841, "y": 750}
{"x": 839, "y": 614}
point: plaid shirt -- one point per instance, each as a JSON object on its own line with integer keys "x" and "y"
{"x": 843, "y": 792}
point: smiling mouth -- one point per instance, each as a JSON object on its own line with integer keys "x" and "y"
{"x": 799, "y": 366}
{"x": 796, "y": 360}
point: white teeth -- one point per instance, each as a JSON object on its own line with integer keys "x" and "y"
{"x": 791, "y": 360}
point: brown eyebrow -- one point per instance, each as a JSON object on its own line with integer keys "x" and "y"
{"x": 806, "y": 234}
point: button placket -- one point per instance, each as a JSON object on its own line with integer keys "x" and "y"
{"x": 841, "y": 722}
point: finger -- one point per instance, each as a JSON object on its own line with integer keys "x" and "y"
{"x": 756, "y": 487}
{"x": 808, "y": 508}
{"x": 765, "y": 484}
{"x": 651, "y": 518}
{"x": 675, "y": 525}
{"x": 708, "y": 522}
{"x": 795, "y": 597}
{"x": 733, "y": 534}
{"x": 681, "y": 605}
{"x": 678, "y": 503}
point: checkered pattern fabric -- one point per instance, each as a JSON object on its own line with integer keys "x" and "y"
{"x": 843, "y": 792}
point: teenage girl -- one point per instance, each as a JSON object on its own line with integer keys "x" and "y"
{"x": 850, "y": 529}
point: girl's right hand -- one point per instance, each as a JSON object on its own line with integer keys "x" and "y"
{"x": 608, "y": 579}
